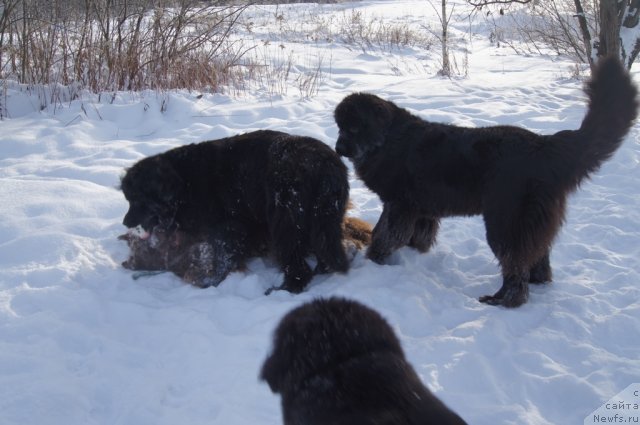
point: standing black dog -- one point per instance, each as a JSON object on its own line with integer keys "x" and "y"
{"x": 337, "y": 362}
{"x": 516, "y": 179}
{"x": 292, "y": 188}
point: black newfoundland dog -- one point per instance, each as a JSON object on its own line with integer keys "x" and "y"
{"x": 337, "y": 362}
{"x": 516, "y": 179}
{"x": 293, "y": 189}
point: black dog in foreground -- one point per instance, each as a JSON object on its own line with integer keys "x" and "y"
{"x": 337, "y": 362}
{"x": 293, "y": 189}
{"x": 516, "y": 179}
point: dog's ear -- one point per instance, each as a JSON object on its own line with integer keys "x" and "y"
{"x": 384, "y": 112}
{"x": 280, "y": 362}
{"x": 169, "y": 184}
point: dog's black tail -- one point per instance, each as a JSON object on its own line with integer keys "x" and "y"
{"x": 612, "y": 110}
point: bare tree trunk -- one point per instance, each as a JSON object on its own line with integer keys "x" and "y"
{"x": 618, "y": 32}
{"x": 584, "y": 30}
{"x": 24, "y": 46}
{"x": 609, "y": 43}
{"x": 446, "y": 67}
{"x": 5, "y": 27}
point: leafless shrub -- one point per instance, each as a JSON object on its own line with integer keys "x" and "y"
{"x": 275, "y": 69}
{"x": 270, "y": 69}
{"x": 310, "y": 80}
{"x": 110, "y": 45}
{"x": 546, "y": 27}
{"x": 355, "y": 28}
{"x": 58, "y": 48}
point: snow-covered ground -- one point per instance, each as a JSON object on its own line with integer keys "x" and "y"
{"x": 81, "y": 342}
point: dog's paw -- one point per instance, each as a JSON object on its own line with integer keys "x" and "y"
{"x": 510, "y": 298}
{"x": 540, "y": 275}
{"x": 513, "y": 293}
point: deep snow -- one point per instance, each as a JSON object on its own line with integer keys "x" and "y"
{"x": 81, "y": 342}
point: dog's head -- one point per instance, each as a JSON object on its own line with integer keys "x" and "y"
{"x": 321, "y": 335}
{"x": 363, "y": 121}
{"x": 154, "y": 190}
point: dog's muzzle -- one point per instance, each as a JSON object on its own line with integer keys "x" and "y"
{"x": 341, "y": 148}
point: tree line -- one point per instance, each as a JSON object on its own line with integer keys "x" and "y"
{"x": 586, "y": 30}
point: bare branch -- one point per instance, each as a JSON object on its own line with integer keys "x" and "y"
{"x": 483, "y": 3}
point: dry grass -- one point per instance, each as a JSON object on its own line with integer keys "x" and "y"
{"x": 106, "y": 45}
{"x": 60, "y": 48}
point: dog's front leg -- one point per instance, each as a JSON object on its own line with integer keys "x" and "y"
{"x": 424, "y": 233}
{"x": 393, "y": 230}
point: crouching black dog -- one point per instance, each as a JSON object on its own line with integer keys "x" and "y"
{"x": 337, "y": 362}
{"x": 518, "y": 180}
{"x": 293, "y": 189}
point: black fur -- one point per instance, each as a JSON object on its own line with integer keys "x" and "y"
{"x": 293, "y": 188}
{"x": 516, "y": 179}
{"x": 337, "y": 362}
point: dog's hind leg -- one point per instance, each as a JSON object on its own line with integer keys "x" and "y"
{"x": 394, "y": 229}
{"x": 515, "y": 270}
{"x": 290, "y": 252}
{"x": 540, "y": 272}
{"x": 329, "y": 250}
{"x": 515, "y": 284}
{"x": 514, "y": 291}
{"x": 326, "y": 231}
{"x": 288, "y": 238}
{"x": 520, "y": 231}
{"x": 424, "y": 234}
{"x": 297, "y": 274}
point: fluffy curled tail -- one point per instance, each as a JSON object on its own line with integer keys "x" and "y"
{"x": 612, "y": 110}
